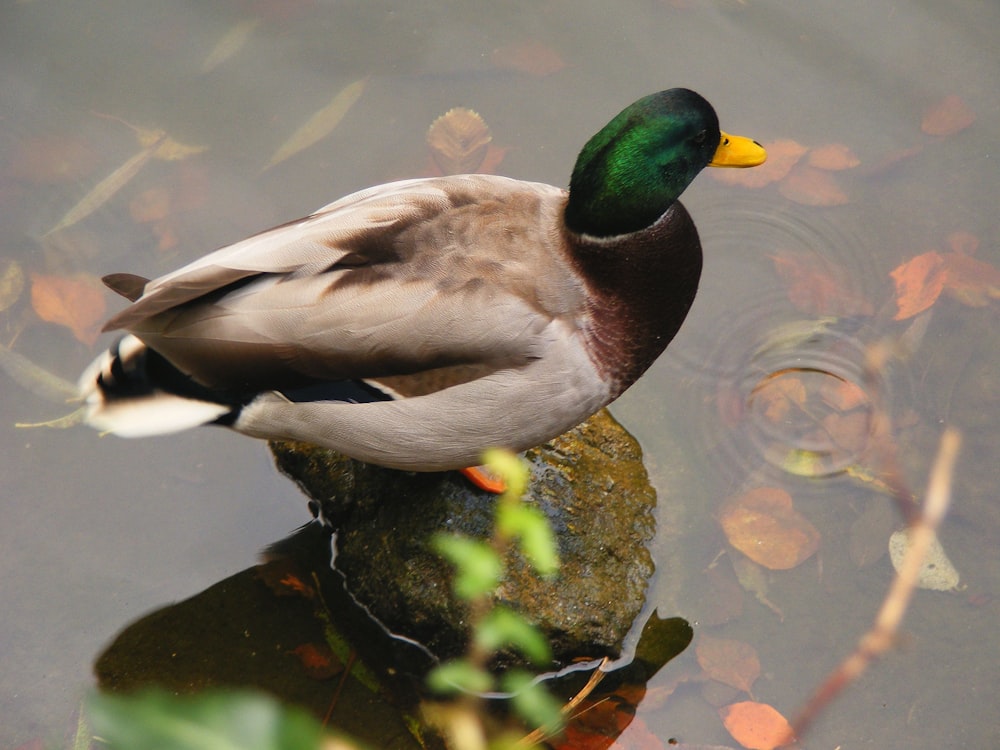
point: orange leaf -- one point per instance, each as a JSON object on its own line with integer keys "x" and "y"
{"x": 320, "y": 662}
{"x": 971, "y": 281}
{"x": 531, "y": 57}
{"x": 833, "y": 157}
{"x": 818, "y": 286}
{"x": 919, "y": 282}
{"x": 756, "y": 726}
{"x": 293, "y": 582}
{"x": 459, "y": 140}
{"x": 843, "y": 395}
{"x": 782, "y": 155}
{"x": 76, "y": 302}
{"x": 778, "y": 393}
{"x": 812, "y": 187}
{"x": 947, "y": 116}
{"x": 763, "y": 525}
{"x": 728, "y": 661}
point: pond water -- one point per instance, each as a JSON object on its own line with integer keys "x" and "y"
{"x": 890, "y": 113}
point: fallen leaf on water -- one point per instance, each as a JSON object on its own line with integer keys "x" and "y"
{"x": 721, "y": 596}
{"x": 833, "y": 157}
{"x": 319, "y": 660}
{"x": 937, "y": 572}
{"x": 809, "y": 186}
{"x": 320, "y": 124}
{"x": 947, "y": 116}
{"x": 531, "y": 57}
{"x": 818, "y": 286}
{"x": 11, "y": 282}
{"x": 49, "y": 159}
{"x": 459, "y": 140}
{"x": 76, "y": 302}
{"x": 971, "y": 281}
{"x": 919, "y": 282}
{"x": 756, "y": 726}
{"x": 230, "y": 43}
{"x": 782, "y": 155}
{"x": 728, "y": 661}
{"x": 104, "y": 190}
{"x": 764, "y": 526}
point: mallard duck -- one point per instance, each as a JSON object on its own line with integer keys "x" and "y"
{"x": 416, "y": 323}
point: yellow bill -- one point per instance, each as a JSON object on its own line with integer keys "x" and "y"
{"x": 737, "y": 151}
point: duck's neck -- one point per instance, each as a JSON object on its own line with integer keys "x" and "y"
{"x": 642, "y": 285}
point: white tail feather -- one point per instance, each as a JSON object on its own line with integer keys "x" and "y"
{"x": 138, "y": 412}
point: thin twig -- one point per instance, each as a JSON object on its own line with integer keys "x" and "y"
{"x": 882, "y": 635}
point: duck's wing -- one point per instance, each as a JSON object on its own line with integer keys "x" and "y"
{"x": 449, "y": 275}
{"x": 309, "y": 244}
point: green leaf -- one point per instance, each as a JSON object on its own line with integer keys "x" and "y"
{"x": 459, "y": 675}
{"x": 504, "y": 627}
{"x": 533, "y": 702}
{"x": 214, "y": 720}
{"x": 510, "y": 468}
{"x": 477, "y": 567}
{"x": 537, "y": 542}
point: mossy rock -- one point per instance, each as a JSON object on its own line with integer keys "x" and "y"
{"x": 590, "y": 483}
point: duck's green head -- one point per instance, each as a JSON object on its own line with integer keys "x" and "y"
{"x": 628, "y": 174}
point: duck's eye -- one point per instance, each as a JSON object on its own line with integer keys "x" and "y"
{"x": 700, "y": 138}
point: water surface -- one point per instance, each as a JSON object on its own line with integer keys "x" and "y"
{"x": 95, "y": 532}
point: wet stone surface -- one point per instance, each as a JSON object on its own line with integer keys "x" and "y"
{"x": 590, "y": 483}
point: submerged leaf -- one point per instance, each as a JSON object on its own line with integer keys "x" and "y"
{"x": 36, "y": 378}
{"x": 104, "y": 190}
{"x": 756, "y": 726}
{"x": 809, "y": 186}
{"x": 75, "y": 417}
{"x": 230, "y": 43}
{"x": 319, "y": 660}
{"x": 919, "y": 282}
{"x": 947, "y": 116}
{"x": 819, "y": 286}
{"x": 320, "y": 124}
{"x": 833, "y": 157}
{"x": 459, "y": 140}
{"x": 76, "y": 302}
{"x": 728, "y": 661}
{"x": 971, "y": 281}
{"x": 777, "y": 394}
{"x": 763, "y": 525}
{"x": 937, "y": 572}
